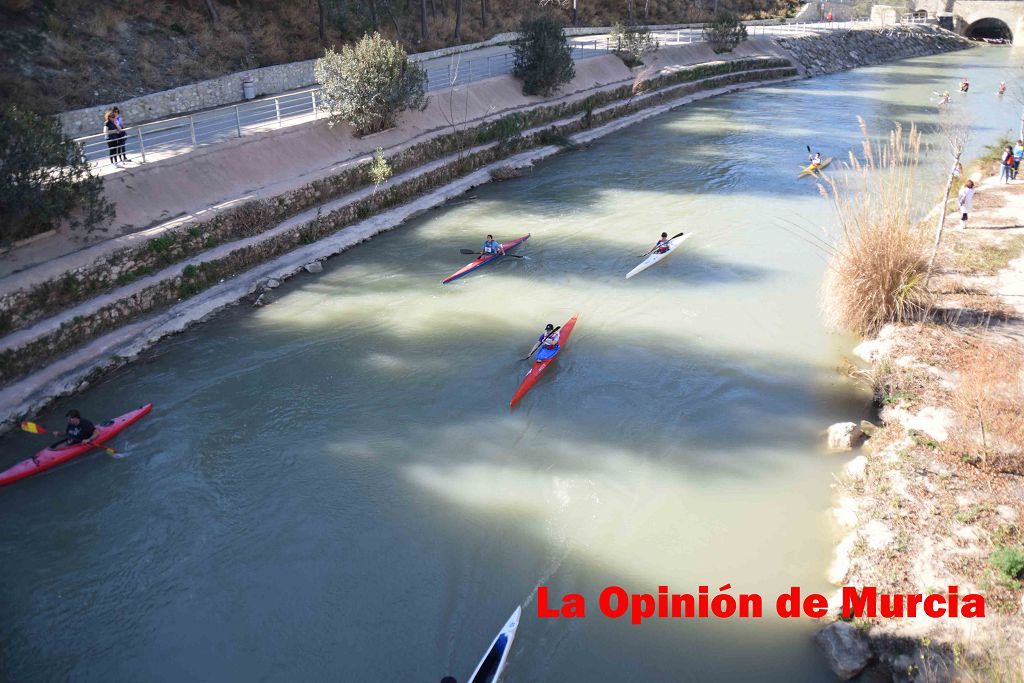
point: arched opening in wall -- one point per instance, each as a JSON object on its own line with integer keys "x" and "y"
{"x": 989, "y": 30}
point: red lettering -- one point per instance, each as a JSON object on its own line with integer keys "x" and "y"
{"x": 788, "y": 604}
{"x": 892, "y": 606}
{"x": 859, "y": 604}
{"x": 574, "y": 606}
{"x": 621, "y": 602}
{"x": 643, "y": 607}
{"x": 913, "y": 602}
{"x": 815, "y": 605}
{"x": 543, "y": 611}
{"x": 935, "y": 605}
{"x": 953, "y": 601}
{"x": 974, "y": 606}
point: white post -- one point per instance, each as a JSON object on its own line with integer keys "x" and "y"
{"x": 277, "y": 111}
{"x": 192, "y": 131}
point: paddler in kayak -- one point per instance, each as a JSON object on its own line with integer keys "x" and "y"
{"x": 79, "y": 429}
{"x": 815, "y": 160}
{"x": 547, "y": 344}
{"x": 492, "y": 246}
{"x": 662, "y": 246}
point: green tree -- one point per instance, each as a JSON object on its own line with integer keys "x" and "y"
{"x": 380, "y": 169}
{"x": 632, "y": 42}
{"x": 725, "y": 32}
{"x": 543, "y": 58}
{"x": 46, "y": 180}
{"x": 370, "y": 83}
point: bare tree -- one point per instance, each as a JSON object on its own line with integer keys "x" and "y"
{"x": 212, "y": 9}
{"x": 1017, "y": 95}
{"x": 449, "y": 111}
{"x": 956, "y": 132}
{"x": 458, "y": 21}
{"x": 423, "y": 20}
{"x": 483, "y": 14}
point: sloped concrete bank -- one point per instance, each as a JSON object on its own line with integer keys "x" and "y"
{"x": 132, "y": 303}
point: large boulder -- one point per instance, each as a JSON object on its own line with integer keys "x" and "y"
{"x": 844, "y": 436}
{"x": 844, "y": 648}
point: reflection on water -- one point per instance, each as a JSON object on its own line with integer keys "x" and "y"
{"x": 333, "y": 487}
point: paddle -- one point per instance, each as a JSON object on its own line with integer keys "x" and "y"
{"x": 33, "y": 428}
{"x": 656, "y": 246}
{"x": 537, "y": 345}
{"x": 480, "y": 253}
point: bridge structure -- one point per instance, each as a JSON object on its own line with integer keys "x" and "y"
{"x": 993, "y": 20}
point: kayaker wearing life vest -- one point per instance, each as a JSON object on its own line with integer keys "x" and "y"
{"x": 1002, "y": 88}
{"x": 662, "y": 245}
{"x": 491, "y": 246}
{"x": 815, "y": 160}
{"x": 547, "y": 344}
{"x": 964, "y": 85}
{"x": 79, "y": 429}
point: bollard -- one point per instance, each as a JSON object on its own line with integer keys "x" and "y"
{"x": 192, "y": 131}
{"x": 277, "y": 111}
{"x": 238, "y": 121}
{"x": 142, "y": 147}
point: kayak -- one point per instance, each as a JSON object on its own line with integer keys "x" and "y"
{"x": 654, "y": 258}
{"x": 490, "y": 667}
{"x": 483, "y": 260}
{"x": 811, "y": 170}
{"x": 59, "y": 452}
{"x": 539, "y": 367}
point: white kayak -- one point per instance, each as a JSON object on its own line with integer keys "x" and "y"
{"x": 654, "y": 258}
{"x": 490, "y": 667}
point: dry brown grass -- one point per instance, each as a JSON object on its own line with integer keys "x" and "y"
{"x": 989, "y": 398}
{"x": 877, "y": 269}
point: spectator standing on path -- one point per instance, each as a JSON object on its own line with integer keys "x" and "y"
{"x": 122, "y": 136}
{"x": 1006, "y": 164}
{"x": 830, "y": 16}
{"x": 963, "y": 200}
{"x": 1018, "y": 152}
{"x": 111, "y": 133}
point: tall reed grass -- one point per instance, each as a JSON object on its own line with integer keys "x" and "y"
{"x": 879, "y": 262}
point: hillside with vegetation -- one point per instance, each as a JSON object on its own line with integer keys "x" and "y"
{"x": 66, "y": 54}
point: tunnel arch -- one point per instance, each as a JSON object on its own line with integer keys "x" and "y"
{"x": 989, "y": 28}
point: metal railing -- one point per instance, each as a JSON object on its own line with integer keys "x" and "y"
{"x": 181, "y": 134}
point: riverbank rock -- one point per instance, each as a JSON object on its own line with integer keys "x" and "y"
{"x": 314, "y": 267}
{"x": 844, "y": 436}
{"x": 844, "y": 648}
{"x": 505, "y": 173}
{"x": 273, "y": 284}
{"x": 868, "y": 428}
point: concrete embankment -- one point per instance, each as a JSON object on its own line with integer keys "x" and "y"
{"x": 94, "y": 303}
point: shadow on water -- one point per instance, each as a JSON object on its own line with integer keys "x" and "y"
{"x": 333, "y": 486}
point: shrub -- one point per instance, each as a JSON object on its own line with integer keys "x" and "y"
{"x": 1009, "y": 560}
{"x": 725, "y": 32}
{"x": 46, "y": 181}
{"x": 632, "y": 42}
{"x": 370, "y": 83}
{"x": 543, "y": 58}
{"x": 380, "y": 169}
{"x": 879, "y": 258}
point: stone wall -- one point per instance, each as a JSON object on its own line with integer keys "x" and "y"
{"x": 227, "y": 90}
{"x": 842, "y": 50}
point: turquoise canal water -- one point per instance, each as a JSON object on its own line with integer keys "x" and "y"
{"x": 334, "y": 488}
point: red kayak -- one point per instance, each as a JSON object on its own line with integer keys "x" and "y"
{"x": 484, "y": 259}
{"x": 58, "y": 452}
{"x": 540, "y": 367}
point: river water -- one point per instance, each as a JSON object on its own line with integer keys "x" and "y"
{"x": 333, "y": 487}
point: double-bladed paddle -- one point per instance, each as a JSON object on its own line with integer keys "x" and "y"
{"x": 34, "y": 428}
{"x": 656, "y": 246}
{"x": 480, "y": 253}
{"x": 537, "y": 345}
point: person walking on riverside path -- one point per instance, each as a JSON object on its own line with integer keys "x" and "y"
{"x": 1006, "y": 165}
{"x": 963, "y": 201}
